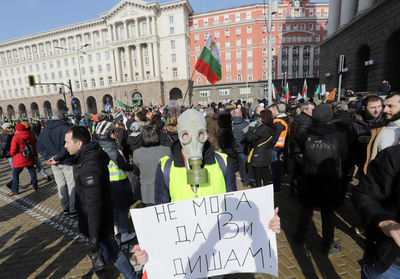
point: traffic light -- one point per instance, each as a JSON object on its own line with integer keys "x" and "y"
{"x": 31, "y": 81}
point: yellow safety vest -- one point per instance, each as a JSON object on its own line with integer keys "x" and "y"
{"x": 179, "y": 189}
{"x": 282, "y": 136}
{"x": 116, "y": 174}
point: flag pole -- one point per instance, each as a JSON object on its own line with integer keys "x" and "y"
{"x": 187, "y": 89}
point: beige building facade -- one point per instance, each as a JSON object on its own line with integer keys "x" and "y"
{"x": 136, "y": 50}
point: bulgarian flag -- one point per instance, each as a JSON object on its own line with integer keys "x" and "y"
{"x": 274, "y": 92}
{"x": 209, "y": 62}
{"x": 287, "y": 91}
{"x": 304, "y": 91}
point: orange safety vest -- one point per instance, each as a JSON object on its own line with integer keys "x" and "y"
{"x": 282, "y": 136}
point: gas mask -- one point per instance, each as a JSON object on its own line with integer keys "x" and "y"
{"x": 192, "y": 134}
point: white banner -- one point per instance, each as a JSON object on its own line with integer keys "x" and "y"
{"x": 209, "y": 236}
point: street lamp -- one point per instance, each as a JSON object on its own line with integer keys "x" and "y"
{"x": 80, "y": 72}
{"x": 272, "y": 9}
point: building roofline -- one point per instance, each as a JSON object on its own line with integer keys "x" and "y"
{"x": 249, "y": 5}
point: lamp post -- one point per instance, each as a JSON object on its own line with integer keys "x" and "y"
{"x": 272, "y": 9}
{"x": 78, "y": 51}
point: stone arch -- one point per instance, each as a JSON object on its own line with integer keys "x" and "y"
{"x": 91, "y": 105}
{"x": 61, "y": 106}
{"x": 35, "y": 109}
{"x": 392, "y": 60}
{"x": 10, "y": 112}
{"x": 108, "y": 99}
{"x": 22, "y": 110}
{"x": 175, "y": 94}
{"x": 47, "y": 109}
{"x": 363, "y": 54}
{"x": 136, "y": 97}
{"x": 76, "y": 106}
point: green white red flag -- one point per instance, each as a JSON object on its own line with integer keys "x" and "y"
{"x": 209, "y": 62}
{"x": 274, "y": 92}
{"x": 287, "y": 91}
{"x": 304, "y": 91}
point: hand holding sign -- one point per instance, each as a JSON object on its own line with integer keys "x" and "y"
{"x": 208, "y": 236}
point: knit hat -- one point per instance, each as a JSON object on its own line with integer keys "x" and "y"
{"x": 104, "y": 129}
{"x": 135, "y": 126}
{"x": 19, "y": 127}
{"x": 58, "y": 115}
{"x": 322, "y": 114}
{"x": 5, "y": 125}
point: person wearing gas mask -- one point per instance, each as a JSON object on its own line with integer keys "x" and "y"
{"x": 193, "y": 170}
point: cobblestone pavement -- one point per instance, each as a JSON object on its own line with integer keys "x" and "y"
{"x": 37, "y": 241}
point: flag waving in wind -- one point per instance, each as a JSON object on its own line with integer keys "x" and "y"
{"x": 304, "y": 91}
{"x": 274, "y": 91}
{"x": 209, "y": 62}
{"x": 287, "y": 91}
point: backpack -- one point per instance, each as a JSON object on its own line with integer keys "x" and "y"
{"x": 321, "y": 156}
{"x": 29, "y": 151}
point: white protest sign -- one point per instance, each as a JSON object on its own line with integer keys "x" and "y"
{"x": 209, "y": 236}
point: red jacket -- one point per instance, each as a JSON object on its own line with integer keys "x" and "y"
{"x": 17, "y": 146}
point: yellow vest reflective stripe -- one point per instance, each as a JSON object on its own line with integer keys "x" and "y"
{"x": 179, "y": 189}
{"x": 282, "y": 136}
{"x": 116, "y": 174}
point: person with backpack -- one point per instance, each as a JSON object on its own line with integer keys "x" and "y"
{"x": 23, "y": 152}
{"x": 6, "y": 134}
{"x": 322, "y": 182}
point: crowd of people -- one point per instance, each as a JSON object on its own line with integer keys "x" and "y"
{"x": 104, "y": 164}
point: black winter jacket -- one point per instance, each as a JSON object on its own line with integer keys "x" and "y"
{"x": 262, "y": 155}
{"x": 302, "y": 122}
{"x": 319, "y": 190}
{"x": 51, "y": 141}
{"x": 93, "y": 194}
{"x": 378, "y": 199}
{"x": 5, "y": 144}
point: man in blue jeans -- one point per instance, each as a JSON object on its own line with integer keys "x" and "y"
{"x": 377, "y": 197}
{"x": 238, "y": 128}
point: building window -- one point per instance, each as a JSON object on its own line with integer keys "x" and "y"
{"x": 238, "y": 31}
{"x": 237, "y": 17}
{"x": 216, "y": 34}
{"x": 264, "y": 28}
{"x": 226, "y": 19}
{"x": 108, "y": 67}
{"x": 238, "y": 66}
{"x": 174, "y": 72}
{"x": 228, "y": 56}
{"x": 205, "y": 93}
{"x": 171, "y": 19}
{"x": 238, "y": 42}
{"x": 99, "y": 68}
{"x": 147, "y": 60}
{"x": 172, "y": 30}
{"x": 199, "y": 80}
{"x": 239, "y": 77}
{"x": 264, "y": 52}
{"x": 101, "y": 82}
{"x": 90, "y": 57}
{"x": 196, "y": 37}
{"x": 228, "y": 44}
{"x": 109, "y": 80}
{"x": 245, "y": 90}
{"x": 238, "y": 54}
{"x": 206, "y": 22}
{"x": 249, "y": 52}
{"x": 93, "y": 83}
{"x": 249, "y": 29}
{"x": 287, "y": 27}
{"x": 248, "y": 15}
{"x": 107, "y": 55}
{"x": 206, "y": 35}
{"x": 318, "y": 27}
{"x": 225, "y": 92}
{"x": 227, "y": 32}
{"x": 85, "y": 83}
{"x": 197, "y": 48}
{"x": 249, "y": 41}
{"x": 173, "y": 44}
{"x": 196, "y": 24}
{"x": 249, "y": 64}
{"x": 91, "y": 69}
{"x": 228, "y": 67}
{"x": 98, "y": 56}
{"x": 77, "y": 84}
{"x": 173, "y": 57}
{"x": 264, "y": 75}
{"x": 216, "y": 20}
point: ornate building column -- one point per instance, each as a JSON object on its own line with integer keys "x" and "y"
{"x": 364, "y": 5}
{"x": 148, "y": 25}
{"x": 301, "y": 49}
{"x": 114, "y": 31}
{"x": 128, "y": 57}
{"x": 153, "y": 25}
{"x": 290, "y": 61}
{"x": 151, "y": 60}
{"x": 140, "y": 60}
{"x": 101, "y": 37}
{"x": 126, "y": 29}
{"x": 137, "y": 28}
{"x": 347, "y": 11}
{"x": 118, "y": 73}
{"x": 156, "y": 61}
{"x": 312, "y": 49}
{"x": 334, "y": 16}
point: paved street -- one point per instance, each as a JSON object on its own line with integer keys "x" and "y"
{"x": 37, "y": 241}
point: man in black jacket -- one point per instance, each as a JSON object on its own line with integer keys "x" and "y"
{"x": 378, "y": 200}
{"x": 93, "y": 201}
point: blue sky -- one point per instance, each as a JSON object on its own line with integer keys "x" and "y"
{"x": 24, "y": 17}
